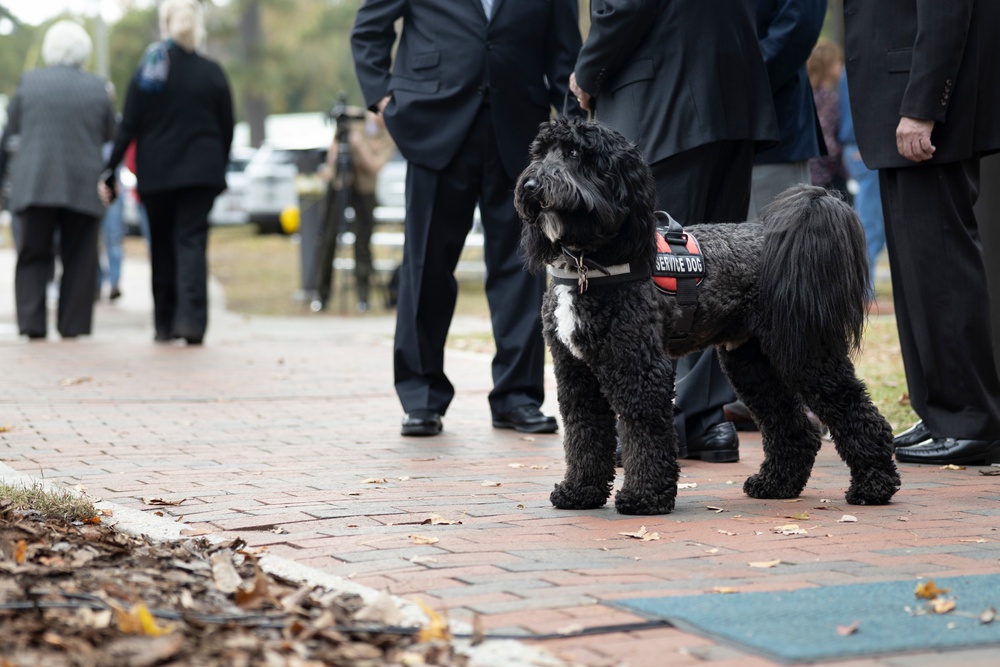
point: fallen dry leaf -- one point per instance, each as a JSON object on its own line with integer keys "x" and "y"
{"x": 988, "y": 616}
{"x": 161, "y": 501}
{"x": 642, "y": 534}
{"x": 847, "y": 518}
{"x": 927, "y": 590}
{"x": 801, "y": 516}
{"x": 790, "y": 529}
{"x": 687, "y": 485}
{"x": 724, "y": 590}
{"x": 435, "y": 520}
{"x": 845, "y": 630}
{"x": 375, "y": 480}
{"x": 138, "y": 621}
{"x": 20, "y": 552}
{"x": 72, "y": 382}
{"x": 765, "y": 563}
{"x": 437, "y": 630}
{"x": 725, "y": 532}
{"x": 952, "y": 466}
{"x": 715, "y": 509}
{"x": 941, "y": 605}
{"x": 989, "y": 473}
{"x": 489, "y": 483}
{"x": 224, "y": 574}
{"x": 4, "y": 428}
{"x": 422, "y": 539}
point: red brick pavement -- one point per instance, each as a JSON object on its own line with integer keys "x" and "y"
{"x": 285, "y": 432}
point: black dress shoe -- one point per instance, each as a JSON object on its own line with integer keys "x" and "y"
{"x": 421, "y": 423}
{"x": 912, "y": 436}
{"x": 526, "y": 419}
{"x": 719, "y": 444}
{"x": 942, "y": 451}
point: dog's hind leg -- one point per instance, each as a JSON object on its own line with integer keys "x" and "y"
{"x": 588, "y": 435}
{"x": 861, "y": 434}
{"x": 790, "y": 440}
{"x": 643, "y": 398}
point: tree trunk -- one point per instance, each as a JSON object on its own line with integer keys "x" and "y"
{"x": 254, "y": 103}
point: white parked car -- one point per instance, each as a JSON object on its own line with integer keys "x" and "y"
{"x": 230, "y": 205}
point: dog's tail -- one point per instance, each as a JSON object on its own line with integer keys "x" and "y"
{"x": 814, "y": 275}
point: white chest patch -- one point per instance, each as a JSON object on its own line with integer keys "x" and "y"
{"x": 565, "y": 316}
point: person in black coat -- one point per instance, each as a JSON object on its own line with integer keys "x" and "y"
{"x": 924, "y": 81}
{"x": 463, "y": 100}
{"x": 685, "y": 81}
{"x": 179, "y": 110}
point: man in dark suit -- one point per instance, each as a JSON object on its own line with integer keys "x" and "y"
{"x": 924, "y": 79}
{"x": 686, "y": 82}
{"x": 788, "y": 30}
{"x": 470, "y": 84}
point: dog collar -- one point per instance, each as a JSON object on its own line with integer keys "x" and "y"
{"x": 578, "y": 272}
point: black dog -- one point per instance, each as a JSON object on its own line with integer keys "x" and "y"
{"x": 782, "y": 299}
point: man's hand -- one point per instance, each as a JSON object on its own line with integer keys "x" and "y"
{"x": 913, "y": 139}
{"x": 382, "y": 102}
{"x": 582, "y": 96}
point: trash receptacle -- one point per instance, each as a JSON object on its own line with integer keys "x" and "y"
{"x": 310, "y": 231}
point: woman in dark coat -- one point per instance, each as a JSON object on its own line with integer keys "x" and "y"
{"x": 179, "y": 111}
{"x": 61, "y": 116}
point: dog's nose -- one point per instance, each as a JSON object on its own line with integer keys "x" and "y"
{"x": 530, "y": 185}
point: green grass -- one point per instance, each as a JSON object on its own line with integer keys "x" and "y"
{"x": 51, "y": 503}
{"x": 260, "y": 274}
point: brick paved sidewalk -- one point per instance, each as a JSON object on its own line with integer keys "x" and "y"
{"x": 286, "y": 433}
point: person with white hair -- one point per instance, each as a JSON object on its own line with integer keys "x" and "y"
{"x": 62, "y": 115}
{"x": 179, "y": 111}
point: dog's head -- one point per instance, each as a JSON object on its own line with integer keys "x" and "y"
{"x": 588, "y": 190}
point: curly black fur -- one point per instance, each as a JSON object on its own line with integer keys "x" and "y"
{"x": 783, "y": 302}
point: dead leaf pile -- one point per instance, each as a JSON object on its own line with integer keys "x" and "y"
{"x": 74, "y": 595}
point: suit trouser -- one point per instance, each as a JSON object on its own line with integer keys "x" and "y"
{"x": 35, "y": 261}
{"x": 710, "y": 183}
{"x": 988, "y": 213}
{"x": 941, "y": 297}
{"x": 439, "y": 214}
{"x": 178, "y": 246}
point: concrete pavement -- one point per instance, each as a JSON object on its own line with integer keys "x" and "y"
{"x": 285, "y": 431}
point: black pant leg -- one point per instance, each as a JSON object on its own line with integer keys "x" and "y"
{"x": 439, "y": 208}
{"x": 941, "y": 297}
{"x": 710, "y": 183}
{"x": 78, "y": 234}
{"x": 191, "y": 251}
{"x": 35, "y": 266}
{"x": 162, "y": 259}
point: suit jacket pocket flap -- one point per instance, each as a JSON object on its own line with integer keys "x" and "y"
{"x": 640, "y": 70}
{"x": 899, "y": 60}
{"x": 414, "y": 85}
{"x": 425, "y": 60}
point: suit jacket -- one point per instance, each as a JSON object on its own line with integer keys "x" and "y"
{"x": 450, "y": 58}
{"x": 674, "y": 75}
{"x": 183, "y": 133}
{"x": 62, "y": 116}
{"x": 950, "y": 75}
{"x": 788, "y": 30}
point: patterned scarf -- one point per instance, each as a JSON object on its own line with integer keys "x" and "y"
{"x": 155, "y": 67}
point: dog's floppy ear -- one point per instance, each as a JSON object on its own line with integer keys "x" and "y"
{"x": 636, "y": 197}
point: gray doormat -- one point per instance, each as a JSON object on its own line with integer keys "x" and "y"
{"x": 802, "y": 625}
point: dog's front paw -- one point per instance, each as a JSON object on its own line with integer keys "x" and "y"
{"x": 566, "y": 497}
{"x": 760, "y": 487}
{"x": 629, "y": 502}
{"x": 873, "y": 488}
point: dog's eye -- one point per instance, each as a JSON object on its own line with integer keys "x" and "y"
{"x": 573, "y": 153}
